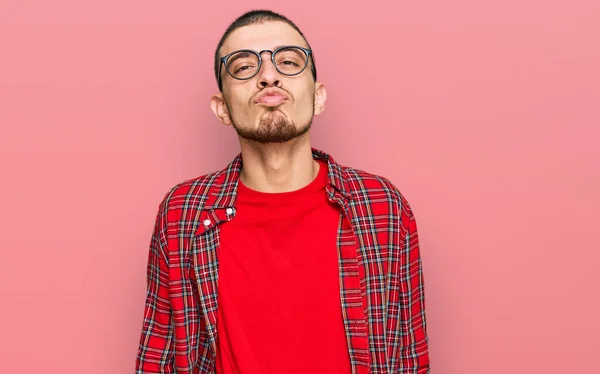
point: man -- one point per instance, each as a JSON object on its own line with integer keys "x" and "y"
{"x": 284, "y": 261}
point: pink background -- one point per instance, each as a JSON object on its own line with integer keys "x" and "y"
{"x": 484, "y": 114}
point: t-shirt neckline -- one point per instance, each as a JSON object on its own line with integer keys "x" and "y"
{"x": 245, "y": 193}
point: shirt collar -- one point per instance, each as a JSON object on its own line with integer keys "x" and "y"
{"x": 225, "y": 188}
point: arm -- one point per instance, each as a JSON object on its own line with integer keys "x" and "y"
{"x": 155, "y": 352}
{"x": 414, "y": 353}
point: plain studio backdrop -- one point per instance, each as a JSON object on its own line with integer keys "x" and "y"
{"x": 485, "y": 114}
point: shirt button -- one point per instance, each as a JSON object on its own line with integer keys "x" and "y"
{"x": 229, "y": 211}
{"x": 206, "y": 222}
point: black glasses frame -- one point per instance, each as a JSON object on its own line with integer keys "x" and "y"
{"x": 224, "y": 59}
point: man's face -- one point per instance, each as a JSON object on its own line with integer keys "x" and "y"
{"x": 269, "y": 107}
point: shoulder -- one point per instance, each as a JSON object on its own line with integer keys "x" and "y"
{"x": 366, "y": 187}
{"x": 190, "y": 194}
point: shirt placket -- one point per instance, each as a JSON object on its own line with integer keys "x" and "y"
{"x": 206, "y": 267}
{"x": 350, "y": 290}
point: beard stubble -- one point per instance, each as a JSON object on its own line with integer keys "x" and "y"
{"x": 274, "y": 127}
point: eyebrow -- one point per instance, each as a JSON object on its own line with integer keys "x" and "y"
{"x": 238, "y": 56}
{"x": 272, "y": 49}
{"x": 290, "y": 45}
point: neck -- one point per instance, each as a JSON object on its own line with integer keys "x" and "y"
{"x": 278, "y": 167}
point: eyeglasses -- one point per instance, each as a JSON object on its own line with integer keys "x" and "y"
{"x": 245, "y": 64}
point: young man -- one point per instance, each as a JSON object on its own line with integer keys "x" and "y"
{"x": 284, "y": 261}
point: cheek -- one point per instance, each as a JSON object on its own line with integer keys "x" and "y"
{"x": 303, "y": 107}
{"x": 305, "y": 96}
{"x": 305, "y": 103}
{"x": 237, "y": 101}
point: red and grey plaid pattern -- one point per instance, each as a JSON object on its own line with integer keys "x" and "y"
{"x": 381, "y": 279}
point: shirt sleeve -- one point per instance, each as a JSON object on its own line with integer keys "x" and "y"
{"x": 414, "y": 353}
{"x": 155, "y": 352}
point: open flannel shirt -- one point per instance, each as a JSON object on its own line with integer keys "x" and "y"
{"x": 381, "y": 280}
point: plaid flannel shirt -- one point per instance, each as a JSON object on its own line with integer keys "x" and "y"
{"x": 381, "y": 280}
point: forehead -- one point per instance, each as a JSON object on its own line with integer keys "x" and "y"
{"x": 261, "y": 36}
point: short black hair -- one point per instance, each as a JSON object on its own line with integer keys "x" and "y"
{"x": 256, "y": 17}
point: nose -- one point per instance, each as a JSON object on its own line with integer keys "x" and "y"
{"x": 268, "y": 76}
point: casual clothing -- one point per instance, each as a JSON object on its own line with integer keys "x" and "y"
{"x": 381, "y": 285}
{"x": 279, "y": 295}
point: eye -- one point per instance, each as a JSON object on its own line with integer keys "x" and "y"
{"x": 242, "y": 64}
{"x": 289, "y": 63}
{"x": 242, "y": 68}
{"x": 290, "y": 60}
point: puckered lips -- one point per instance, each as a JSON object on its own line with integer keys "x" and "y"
{"x": 271, "y": 97}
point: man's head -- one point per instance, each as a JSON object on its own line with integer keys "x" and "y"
{"x": 269, "y": 94}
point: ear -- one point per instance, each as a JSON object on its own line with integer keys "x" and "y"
{"x": 219, "y": 108}
{"x": 320, "y": 98}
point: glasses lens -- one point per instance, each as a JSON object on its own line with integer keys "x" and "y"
{"x": 290, "y": 61}
{"x": 242, "y": 65}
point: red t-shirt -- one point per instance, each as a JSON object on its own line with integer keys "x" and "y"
{"x": 279, "y": 294}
